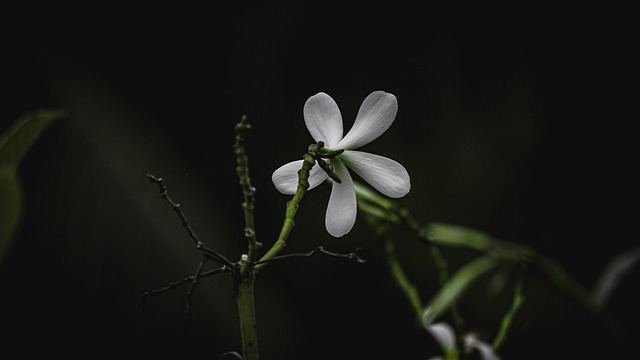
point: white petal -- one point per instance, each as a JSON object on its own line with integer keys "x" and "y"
{"x": 384, "y": 174}
{"x": 376, "y": 114}
{"x": 285, "y": 178}
{"x": 444, "y": 335}
{"x": 486, "y": 351}
{"x": 613, "y": 273}
{"x": 342, "y": 208}
{"x": 323, "y": 119}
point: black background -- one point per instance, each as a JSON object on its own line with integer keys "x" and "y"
{"x": 512, "y": 121}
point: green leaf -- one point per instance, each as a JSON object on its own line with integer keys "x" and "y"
{"x": 18, "y": 139}
{"x": 365, "y": 193}
{"x": 10, "y": 206}
{"x": 455, "y": 287}
{"x": 459, "y": 236}
{"x": 14, "y": 145}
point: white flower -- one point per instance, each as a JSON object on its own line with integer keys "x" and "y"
{"x": 446, "y": 338}
{"x": 324, "y": 122}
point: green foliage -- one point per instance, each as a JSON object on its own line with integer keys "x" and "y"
{"x": 459, "y": 236}
{"x": 455, "y": 287}
{"x": 10, "y": 206}
{"x": 14, "y": 145}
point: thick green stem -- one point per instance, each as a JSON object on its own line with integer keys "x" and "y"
{"x": 245, "y": 279}
{"x": 245, "y": 302}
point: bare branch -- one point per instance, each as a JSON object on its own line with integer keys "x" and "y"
{"x": 189, "y": 279}
{"x": 319, "y": 249}
{"x": 215, "y": 256}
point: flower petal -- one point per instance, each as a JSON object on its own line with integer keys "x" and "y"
{"x": 285, "y": 178}
{"x": 384, "y": 174}
{"x": 444, "y": 335}
{"x": 376, "y": 114}
{"x": 323, "y": 119}
{"x": 485, "y": 350}
{"x": 342, "y": 208}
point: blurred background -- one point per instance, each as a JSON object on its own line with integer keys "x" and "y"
{"x": 511, "y": 122}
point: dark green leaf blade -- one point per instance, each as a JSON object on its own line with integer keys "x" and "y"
{"x": 455, "y": 287}
{"x": 15, "y": 142}
{"x": 10, "y": 206}
{"x": 459, "y": 236}
{"x": 20, "y": 137}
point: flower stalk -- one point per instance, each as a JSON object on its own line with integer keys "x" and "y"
{"x": 309, "y": 160}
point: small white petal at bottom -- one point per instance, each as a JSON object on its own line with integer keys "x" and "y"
{"x": 444, "y": 335}
{"x": 485, "y": 350}
{"x": 343, "y": 206}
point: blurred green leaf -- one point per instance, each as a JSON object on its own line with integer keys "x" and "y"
{"x": 14, "y": 145}
{"x": 10, "y": 206}
{"x": 498, "y": 282}
{"x": 459, "y": 236}
{"x": 18, "y": 139}
{"x": 455, "y": 287}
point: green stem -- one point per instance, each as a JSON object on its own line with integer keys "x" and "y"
{"x": 507, "y": 320}
{"x": 382, "y": 212}
{"x": 245, "y": 279}
{"x": 248, "y": 193}
{"x": 566, "y": 283}
{"x": 245, "y": 302}
{"x": 400, "y": 277}
{"x": 377, "y": 208}
{"x": 443, "y": 275}
{"x": 293, "y": 205}
{"x": 245, "y": 299}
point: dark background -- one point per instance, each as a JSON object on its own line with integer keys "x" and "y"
{"x": 511, "y": 121}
